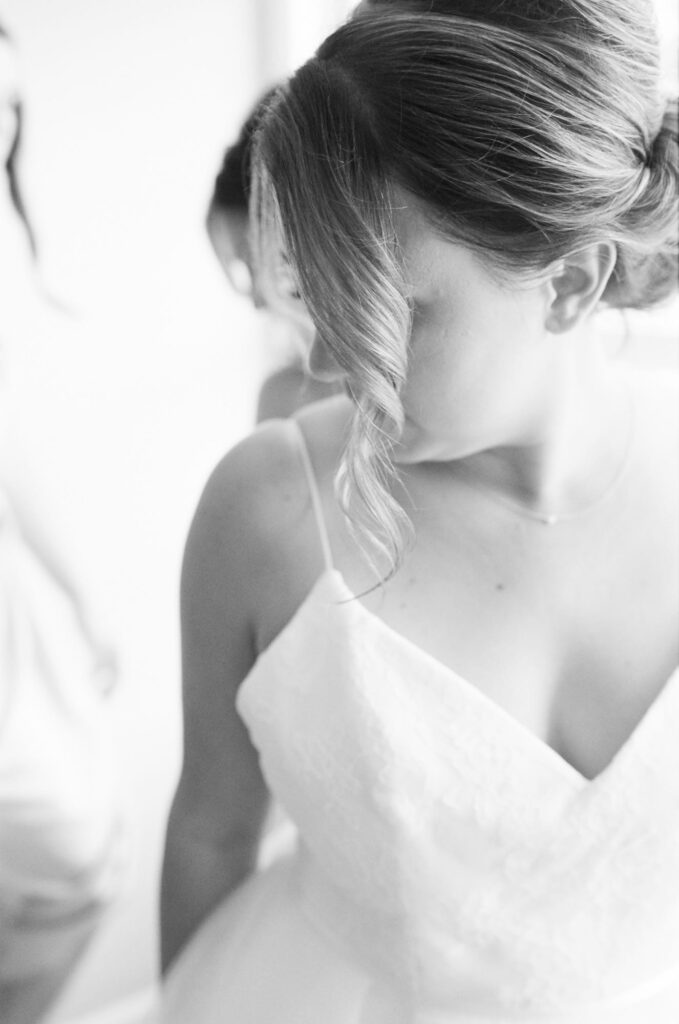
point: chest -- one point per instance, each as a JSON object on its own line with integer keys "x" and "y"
{"x": 572, "y": 632}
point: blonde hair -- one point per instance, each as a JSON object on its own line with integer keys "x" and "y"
{"x": 358, "y": 305}
{"x": 525, "y": 129}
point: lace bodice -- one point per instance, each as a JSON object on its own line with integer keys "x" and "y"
{"x": 450, "y": 848}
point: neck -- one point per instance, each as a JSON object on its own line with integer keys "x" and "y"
{"x": 574, "y": 447}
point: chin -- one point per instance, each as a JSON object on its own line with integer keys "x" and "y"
{"x": 417, "y": 444}
{"x": 414, "y": 445}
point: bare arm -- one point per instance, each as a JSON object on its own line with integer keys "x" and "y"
{"x": 221, "y": 799}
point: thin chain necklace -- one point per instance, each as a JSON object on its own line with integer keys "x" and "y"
{"x": 551, "y": 518}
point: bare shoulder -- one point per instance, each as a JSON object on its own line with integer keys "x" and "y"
{"x": 656, "y": 405}
{"x": 656, "y": 394}
{"x": 662, "y": 381}
{"x": 247, "y": 512}
{"x": 242, "y": 496}
{"x": 652, "y": 339}
{"x": 253, "y": 551}
{"x": 325, "y": 425}
{"x": 257, "y": 492}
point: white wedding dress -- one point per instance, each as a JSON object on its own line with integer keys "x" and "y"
{"x": 451, "y": 868}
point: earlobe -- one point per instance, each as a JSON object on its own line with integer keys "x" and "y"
{"x": 576, "y": 285}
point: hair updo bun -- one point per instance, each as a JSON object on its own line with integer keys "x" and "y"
{"x": 646, "y": 267}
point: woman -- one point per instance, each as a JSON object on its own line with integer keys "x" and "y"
{"x": 437, "y": 618}
{"x": 60, "y": 848}
{"x": 289, "y": 387}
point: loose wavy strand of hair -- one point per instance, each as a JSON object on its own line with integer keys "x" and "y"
{"x": 351, "y": 282}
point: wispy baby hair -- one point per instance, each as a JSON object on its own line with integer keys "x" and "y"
{"x": 526, "y": 130}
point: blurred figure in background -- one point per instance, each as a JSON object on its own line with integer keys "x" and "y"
{"x": 60, "y": 834}
{"x": 290, "y": 387}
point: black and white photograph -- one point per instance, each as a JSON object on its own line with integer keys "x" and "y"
{"x": 339, "y": 512}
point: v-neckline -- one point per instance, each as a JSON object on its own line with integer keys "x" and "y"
{"x": 471, "y": 690}
{"x": 481, "y": 696}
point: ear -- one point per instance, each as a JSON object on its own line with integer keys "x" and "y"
{"x": 576, "y": 284}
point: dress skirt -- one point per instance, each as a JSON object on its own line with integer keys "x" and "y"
{"x": 258, "y": 959}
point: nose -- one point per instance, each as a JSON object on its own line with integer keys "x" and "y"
{"x": 322, "y": 364}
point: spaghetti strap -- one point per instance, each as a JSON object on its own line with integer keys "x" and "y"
{"x": 303, "y": 450}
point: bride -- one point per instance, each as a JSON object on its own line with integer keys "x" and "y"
{"x": 436, "y": 617}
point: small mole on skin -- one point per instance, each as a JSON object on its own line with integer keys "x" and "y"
{"x": 499, "y": 586}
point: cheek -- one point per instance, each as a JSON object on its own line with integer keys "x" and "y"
{"x": 434, "y": 379}
{"x": 458, "y": 370}
{"x": 444, "y": 353}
